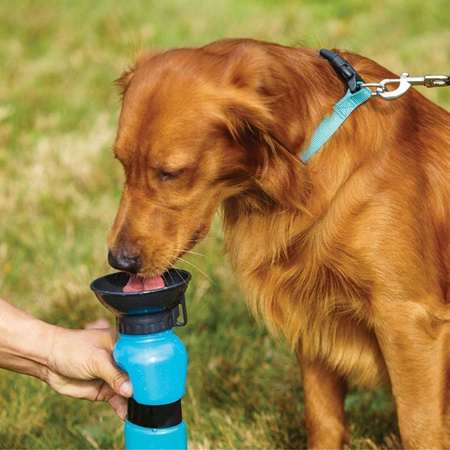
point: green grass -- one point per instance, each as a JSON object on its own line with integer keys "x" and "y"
{"x": 60, "y": 187}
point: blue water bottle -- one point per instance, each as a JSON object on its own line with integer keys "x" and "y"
{"x": 152, "y": 355}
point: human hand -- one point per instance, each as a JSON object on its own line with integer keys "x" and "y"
{"x": 79, "y": 364}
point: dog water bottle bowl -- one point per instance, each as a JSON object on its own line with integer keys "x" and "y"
{"x": 152, "y": 355}
{"x": 109, "y": 290}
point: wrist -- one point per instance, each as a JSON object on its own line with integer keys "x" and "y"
{"x": 40, "y": 342}
{"x": 25, "y": 341}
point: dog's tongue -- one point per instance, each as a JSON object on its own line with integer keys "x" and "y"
{"x": 136, "y": 284}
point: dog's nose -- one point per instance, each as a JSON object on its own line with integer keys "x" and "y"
{"x": 130, "y": 264}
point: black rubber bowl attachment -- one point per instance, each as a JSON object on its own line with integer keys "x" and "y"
{"x": 109, "y": 290}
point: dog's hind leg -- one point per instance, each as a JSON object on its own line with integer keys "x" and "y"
{"x": 324, "y": 394}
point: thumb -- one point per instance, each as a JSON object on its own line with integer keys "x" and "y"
{"x": 106, "y": 367}
{"x": 120, "y": 383}
{"x": 116, "y": 378}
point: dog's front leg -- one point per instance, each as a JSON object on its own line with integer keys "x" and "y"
{"x": 324, "y": 394}
{"x": 413, "y": 342}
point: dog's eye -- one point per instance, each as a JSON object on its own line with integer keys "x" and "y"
{"x": 166, "y": 175}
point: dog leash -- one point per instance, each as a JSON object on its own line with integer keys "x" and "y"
{"x": 358, "y": 93}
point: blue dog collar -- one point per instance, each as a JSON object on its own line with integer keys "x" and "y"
{"x": 331, "y": 123}
{"x": 356, "y": 95}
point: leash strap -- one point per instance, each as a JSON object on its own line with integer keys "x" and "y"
{"x": 331, "y": 123}
{"x": 358, "y": 93}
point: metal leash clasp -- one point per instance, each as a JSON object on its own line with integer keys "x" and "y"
{"x": 404, "y": 83}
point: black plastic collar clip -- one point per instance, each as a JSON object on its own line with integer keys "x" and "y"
{"x": 344, "y": 69}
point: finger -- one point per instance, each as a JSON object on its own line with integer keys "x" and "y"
{"x": 117, "y": 402}
{"x": 101, "y": 323}
{"x": 120, "y": 405}
{"x": 94, "y": 390}
{"x": 88, "y": 390}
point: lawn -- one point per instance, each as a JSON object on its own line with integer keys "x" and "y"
{"x": 60, "y": 188}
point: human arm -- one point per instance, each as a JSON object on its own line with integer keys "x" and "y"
{"x": 77, "y": 363}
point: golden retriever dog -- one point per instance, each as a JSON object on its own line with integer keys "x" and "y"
{"x": 347, "y": 255}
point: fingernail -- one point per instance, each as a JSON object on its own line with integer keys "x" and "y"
{"x": 126, "y": 389}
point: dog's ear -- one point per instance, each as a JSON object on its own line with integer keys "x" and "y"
{"x": 246, "y": 66}
{"x": 248, "y": 112}
{"x": 124, "y": 80}
{"x": 282, "y": 176}
{"x": 252, "y": 121}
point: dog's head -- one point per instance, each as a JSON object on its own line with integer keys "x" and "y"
{"x": 197, "y": 127}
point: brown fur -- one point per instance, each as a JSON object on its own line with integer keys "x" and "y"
{"x": 347, "y": 255}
